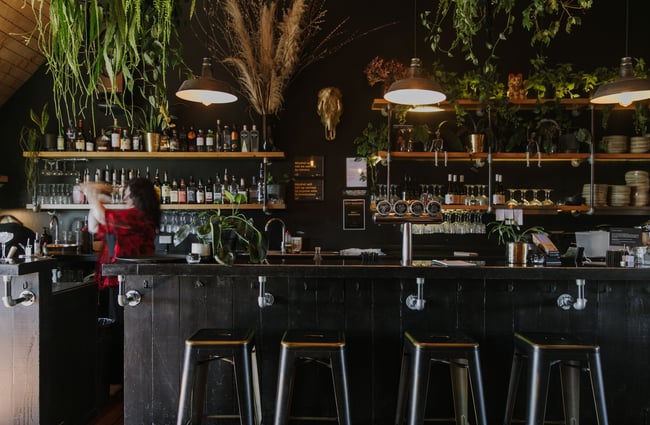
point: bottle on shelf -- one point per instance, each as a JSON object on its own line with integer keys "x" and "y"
{"x": 77, "y": 193}
{"x": 209, "y": 191}
{"x": 115, "y": 136}
{"x": 200, "y": 141}
{"x": 125, "y": 141}
{"x": 460, "y": 191}
{"x": 174, "y": 142}
{"x": 244, "y": 137}
{"x": 165, "y": 190}
{"x": 449, "y": 195}
{"x": 182, "y": 192}
{"x": 173, "y": 192}
{"x": 135, "y": 141}
{"x": 254, "y": 139}
{"x": 234, "y": 139}
{"x": 60, "y": 143}
{"x": 191, "y": 139}
{"x": 218, "y": 190}
{"x": 498, "y": 194}
{"x": 252, "y": 191}
{"x": 80, "y": 137}
{"x": 69, "y": 137}
{"x": 200, "y": 192}
{"x": 182, "y": 140}
{"x": 218, "y": 137}
{"x": 163, "y": 146}
{"x": 191, "y": 191}
{"x": 90, "y": 141}
{"x": 225, "y": 138}
{"x": 157, "y": 185}
{"x": 209, "y": 141}
{"x": 260, "y": 184}
{"x": 103, "y": 142}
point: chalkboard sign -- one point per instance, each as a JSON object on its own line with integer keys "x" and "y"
{"x": 628, "y": 236}
{"x": 308, "y": 166}
{"x": 354, "y": 214}
{"x": 308, "y": 190}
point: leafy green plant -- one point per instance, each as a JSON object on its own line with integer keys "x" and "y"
{"x": 30, "y": 142}
{"x": 372, "y": 140}
{"x": 225, "y": 232}
{"x": 510, "y": 231}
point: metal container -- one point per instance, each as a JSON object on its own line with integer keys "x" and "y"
{"x": 517, "y": 253}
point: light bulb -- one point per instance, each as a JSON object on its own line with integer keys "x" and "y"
{"x": 626, "y": 99}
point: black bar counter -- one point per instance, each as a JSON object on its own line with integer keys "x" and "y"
{"x": 368, "y": 302}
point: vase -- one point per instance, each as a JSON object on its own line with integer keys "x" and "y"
{"x": 517, "y": 253}
{"x": 152, "y": 141}
{"x": 476, "y": 143}
{"x": 267, "y": 143}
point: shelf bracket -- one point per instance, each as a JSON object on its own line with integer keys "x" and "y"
{"x": 264, "y": 299}
{"x": 26, "y": 298}
{"x": 417, "y": 302}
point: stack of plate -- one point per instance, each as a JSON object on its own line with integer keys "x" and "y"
{"x": 639, "y": 144}
{"x": 638, "y": 180}
{"x": 616, "y": 144}
{"x": 600, "y": 194}
{"x": 619, "y": 195}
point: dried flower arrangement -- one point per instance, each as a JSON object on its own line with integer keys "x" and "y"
{"x": 384, "y": 71}
{"x": 265, "y": 46}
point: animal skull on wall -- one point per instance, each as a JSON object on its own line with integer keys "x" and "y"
{"x": 330, "y": 109}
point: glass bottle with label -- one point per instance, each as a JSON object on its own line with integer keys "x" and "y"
{"x": 218, "y": 137}
{"x": 164, "y": 142}
{"x": 225, "y": 138}
{"x": 125, "y": 141}
{"x": 209, "y": 141}
{"x": 254, "y": 139}
{"x": 115, "y": 136}
{"x": 173, "y": 192}
{"x": 200, "y": 141}
{"x": 157, "y": 185}
{"x": 182, "y": 192}
{"x": 209, "y": 191}
{"x": 69, "y": 137}
{"x": 234, "y": 139}
{"x": 200, "y": 192}
{"x": 135, "y": 141}
{"x": 174, "y": 143}
{"x": 80, "y": 137}
{"x": 191, "y": 191}
{"x": 191, "y": 139}
{"x": 449, "y": 195}
{"x": 244, "y": 137}
{"x": 182, "y": 140}
{"x": 103, "y": 143}
{"x": 165, "y": 190}
{"x": 218, "y": 190}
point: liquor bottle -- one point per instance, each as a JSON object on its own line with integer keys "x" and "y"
{"x": 191, "y": 139}
{"x": 135, "y": 141}
{"x": 234, "y": 139}
{"x": 498, "y": 195}
{"x": 182, "y": 192}
{"x": 174, "y": 142}
{"x": 164, "y": 142}
{"x": 191, "y": 191}
{"x": 115, "y": 136}
{"x": 449, "y": 196}
{"x": 157, "y": 186}
{"x": 90, "y": 141}
{"x": 200, "y": 141}
{"x": 218, "y": 137}
{"x": 260, "y": 184}
{"x": 218, "y": 190}
{"x": 252, "y": 191}
{"x": 209, "y": 191}
{"x": 60, "y": 143}
{"x": 125, "y": 141}
{"x": 165, "y": 190}
{"x": 79, "y": 137}
{"x": 173, "y": 192}
{"x": 225, "y": 139}
{"x": 69, "y": 137}
{"x": 182, "y": 140}
{"x": 77, "y": 193}
{"x": 242, "y": 188}
{"x": 103, "y": 143}
{"x": 244, "y": 137}
{"x": 200, "y": 192}
{"x": 254, "y": 139}
{"x": 460, "y": 192}
{"x": 209, "y": 141}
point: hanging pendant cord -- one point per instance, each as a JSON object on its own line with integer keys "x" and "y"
{"x": 415, "y": 23}
{"x": 627, "y": 25}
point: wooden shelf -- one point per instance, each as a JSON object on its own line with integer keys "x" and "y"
{"x": 640, "y": 211}
{"x": 546, "y": 210}
{"x": 496, "y": 157}
{"x": 184, "y": 207}
{"x": 157, "y": 155}
{"x": 621, "y": 157}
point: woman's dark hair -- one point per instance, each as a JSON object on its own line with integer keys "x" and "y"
{"x": 145, "y": 198}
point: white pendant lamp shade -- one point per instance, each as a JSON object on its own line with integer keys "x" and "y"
{"x": 206, "y": 89}
{"x": 415, "y": 89}
{"x": 625, "y": 90}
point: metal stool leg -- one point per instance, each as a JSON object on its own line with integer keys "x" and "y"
{"x": 598, "y": 388}
{"x": 570, "y": 374}
{"x": 243, "y": 383}
{"x": 538, "y": 377}
{"x": 340, "y": 379}
{"x": 513, "y": 386}
{"x": 285, "y": 387}
{"x": 419, "y": 386}
{"x": 402, "y": 393}
{"x": 478, "y": 394}
{"x": 459, "y": 389}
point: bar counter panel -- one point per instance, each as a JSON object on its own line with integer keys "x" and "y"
{"x": 368, "y": 303}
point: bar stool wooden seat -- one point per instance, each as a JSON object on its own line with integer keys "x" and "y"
{"x": 323, "y": 347}
{"x": 542, "y": 351}
{"x": 234, "y": 346}
{"x": 461, "y": 353}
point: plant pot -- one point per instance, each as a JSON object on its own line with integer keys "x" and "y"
{"x": 476, "y": 143}
{"x": 517, "y": 253}
{"x": 152, "y": 142}
{"x": 49, "y": 142}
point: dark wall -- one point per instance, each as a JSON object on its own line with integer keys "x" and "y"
{"x": 600, "y": 41}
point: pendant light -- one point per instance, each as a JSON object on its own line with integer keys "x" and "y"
{"x": 206, "y": 89}
{"x": 416, "y": 88}
{"x": 626, "y": 88}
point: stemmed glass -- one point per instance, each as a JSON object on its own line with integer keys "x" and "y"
{"x": 522, "y": 195}
{"x": 535, "y": 201}
{"x": 512, "y": 202}
{"x": 4, "y": 238}
{"x": 547, "y": 197}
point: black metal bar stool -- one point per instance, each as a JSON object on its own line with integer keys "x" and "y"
{"x": 461, "y": 353}
{"x": 324, "y": 347}
{"x": 234, "y": 346}
{"x": 543, "y": 350}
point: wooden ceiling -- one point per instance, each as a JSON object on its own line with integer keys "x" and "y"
{"x": 18, "y": 61}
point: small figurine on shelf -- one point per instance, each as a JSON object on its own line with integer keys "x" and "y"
{"x": 516, "y": 89}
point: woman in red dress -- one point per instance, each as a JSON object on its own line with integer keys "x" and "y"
{"x": 128, "y": 232}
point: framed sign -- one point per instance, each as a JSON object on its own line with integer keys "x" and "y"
{"x": 309, "y": 166}
{"x": 308, "y": 190}
{"x": 354, "y": 214}
{"x": 355, "y": 172}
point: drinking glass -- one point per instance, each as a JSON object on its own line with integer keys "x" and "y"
{"x": 4, "y": 238}
{"x": 512, "y": 202}
{"x": 535, "y": 201}
{"x": 547, "y": 197}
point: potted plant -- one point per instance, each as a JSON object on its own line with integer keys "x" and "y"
{"x": 372, "y": 140}
{"x": 228, "y": 233}
{"x": 31, "y": 142}
{"x": 514, "y": 238}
